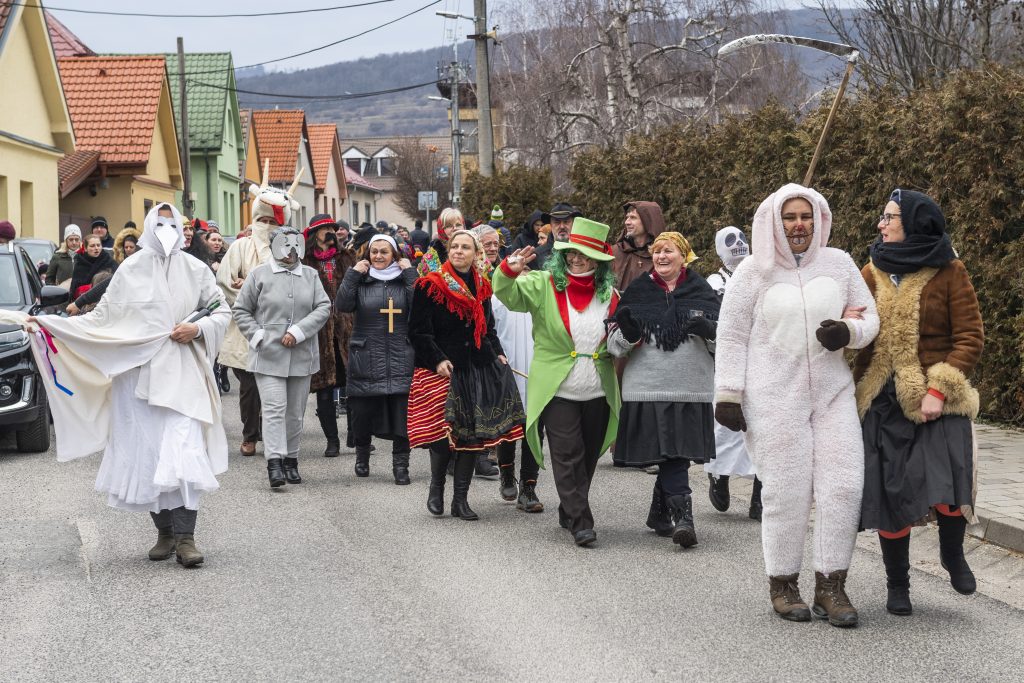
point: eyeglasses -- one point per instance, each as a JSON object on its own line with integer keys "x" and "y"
{"x": 885, "y": 218}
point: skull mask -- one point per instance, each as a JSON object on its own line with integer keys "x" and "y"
{"x": 287, "y": 247}
{"x": 731, "y": 245}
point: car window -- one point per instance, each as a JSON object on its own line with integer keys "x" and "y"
{"x": 33, "y": 275}
{"x": 41, "y": 252}
{"x": 10, "y": 283}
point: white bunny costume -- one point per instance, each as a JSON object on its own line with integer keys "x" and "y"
{"x": 803, "y": 433}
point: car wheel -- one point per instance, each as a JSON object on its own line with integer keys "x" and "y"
{"x": 35, "y": 438}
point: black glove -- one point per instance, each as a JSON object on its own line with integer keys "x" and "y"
{"x": 702, "y": 327}
{"x": 833, "y": 334}
{"x": 630, "y": 329}
{"x": 730, "y": 416}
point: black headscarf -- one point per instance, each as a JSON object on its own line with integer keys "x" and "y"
{"x": 926, "y": 242}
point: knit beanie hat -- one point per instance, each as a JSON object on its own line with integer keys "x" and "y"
{"x": 72, "y": 230}
{"x": 98, "y": 221}
{"x": 497, "y": 214}
{"x": 7, "y": 230}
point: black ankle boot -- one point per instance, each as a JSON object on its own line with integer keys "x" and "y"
{"x": 362, "y": 466}
{"x": 718, "y": 492}
{"x": 755, "y": 501}
{"x": 683, "y": 532}
{"x": 658, "y": 517}
{"x": 465, "y": 463}
{"x": 507, "y": 488}
{"x": 896, "y": 558}
{"x": 484, "y": 467}
{"x": 951, "y": 551}
{"x": 438, "y": 466}
{"x": 276, "y": 473}
{"x": 400, "y": 468}
{"x": 333, "y": 449}
{"x": 291, "y": 470}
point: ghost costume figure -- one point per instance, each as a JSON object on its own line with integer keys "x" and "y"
{"x": 731, "y": 459}
{"x": 280, "y": 310}
{"x": 163, "y": 442}
{"x": 779, "y": 369}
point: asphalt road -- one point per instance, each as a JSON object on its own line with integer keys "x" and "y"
{"x": 346, "y": 579}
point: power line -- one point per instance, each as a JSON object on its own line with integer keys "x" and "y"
{"x": 346, "y": 96}
{"x": 202, "y": 16}
{"x": 315, "y": 49}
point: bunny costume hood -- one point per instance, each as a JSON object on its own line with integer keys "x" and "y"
{"x": 797, "y": 397}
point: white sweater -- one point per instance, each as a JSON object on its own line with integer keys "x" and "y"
{"x": 587, "y": 329}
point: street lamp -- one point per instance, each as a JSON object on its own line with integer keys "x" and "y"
{"x": 453, "y": 15}
{"x": 453, "y": 107}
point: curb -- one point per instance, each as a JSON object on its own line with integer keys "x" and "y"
{"x": 998, "y": 529}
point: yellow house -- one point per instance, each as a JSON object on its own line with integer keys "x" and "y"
{"x": 127, "y": 153}
{"x": 250, "y": 167}
{"x": 35, "y": 127}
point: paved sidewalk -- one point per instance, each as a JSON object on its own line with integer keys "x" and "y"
{"x": 1000, "y": 503}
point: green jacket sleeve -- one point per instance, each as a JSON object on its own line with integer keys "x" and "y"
{"x": 525, "y": 293}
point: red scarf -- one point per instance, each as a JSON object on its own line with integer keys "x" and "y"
{"x": 326, "y": 259}
{"x": 446, "y": 287}
{"x": 580, "y": 289}
{"x": 664, "y": 285}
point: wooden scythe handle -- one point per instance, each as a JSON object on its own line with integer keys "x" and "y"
{"x": 850, "y": 66}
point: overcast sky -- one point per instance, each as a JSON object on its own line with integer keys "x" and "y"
{"x": 257, "y": 39}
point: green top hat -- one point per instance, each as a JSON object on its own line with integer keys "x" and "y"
{"x": 590, "y": 238}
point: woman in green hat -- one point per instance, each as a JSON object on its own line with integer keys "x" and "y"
{"x": 573, "y": 389}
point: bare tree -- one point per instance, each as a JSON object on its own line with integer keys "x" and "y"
{"x": 421, "y": 166}
{"x": 916, "y": 43}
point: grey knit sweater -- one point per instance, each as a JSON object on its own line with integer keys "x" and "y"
{"x": 686, "y": 375}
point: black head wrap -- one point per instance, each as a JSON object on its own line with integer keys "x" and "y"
{"x": 926, "y": 242}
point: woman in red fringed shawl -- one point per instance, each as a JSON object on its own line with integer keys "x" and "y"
{"x": 463, "y": 397}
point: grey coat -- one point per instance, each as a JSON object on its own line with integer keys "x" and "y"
{"x": 380, "y": 362}
{"x": 273, "y": 303}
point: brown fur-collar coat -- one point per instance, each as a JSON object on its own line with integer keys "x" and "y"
{"x": 931, "y": 337}
{"x": 338, "y": 330}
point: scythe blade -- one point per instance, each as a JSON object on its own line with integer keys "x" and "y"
{"x": 838, "y": 49}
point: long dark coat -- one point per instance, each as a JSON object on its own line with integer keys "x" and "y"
{"x": 335, "y": 335}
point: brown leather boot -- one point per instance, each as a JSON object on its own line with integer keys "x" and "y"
{"x": 831, "y": 601}
{"x": 786, "y": 600}
{"x": 164, "y": 547}
{"x": 185, "y": 548}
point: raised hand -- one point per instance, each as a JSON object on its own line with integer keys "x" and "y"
{"x": 519, "y": 258}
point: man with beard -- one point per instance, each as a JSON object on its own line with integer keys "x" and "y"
{"x": 562, "y": 215}
{"x": 271, "y": 208}
{"x": 643, "y": 222}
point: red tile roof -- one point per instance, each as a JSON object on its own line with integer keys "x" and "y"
{"x": 74, "y": 168}
{"x": 322, "y": 138}
{"x": 65, "y": 43}
{"x": 353, "y": 178}
{"x": 278, "y": 136}
{"x": 113, "y": 103}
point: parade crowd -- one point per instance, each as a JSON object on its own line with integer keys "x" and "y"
{"x": 474, "y": 344}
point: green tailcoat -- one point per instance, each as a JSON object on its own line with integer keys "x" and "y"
{"x": 534, "y": 293}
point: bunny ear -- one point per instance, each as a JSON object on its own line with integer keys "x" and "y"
{"x": 296, "y": 206}
{"x": 762, "y": 230}
{"x": 266, "y": 172}
{"x": 254, "y": 190}
{"x": 295, "y": 183}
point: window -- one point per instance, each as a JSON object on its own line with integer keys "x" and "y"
{"x": 334, "y": 207}
{"x": 355, "y": 215}
{"x": 28, "y": 207}
{"x": 387, "y": 166}
{"x": 369, "y": 216}
{"x": 355, "y": 164}
{"x": 3, "y": 196}
{"x": 147, "y": 206}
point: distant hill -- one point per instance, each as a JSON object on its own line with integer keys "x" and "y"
{"x": 409, "y": 112}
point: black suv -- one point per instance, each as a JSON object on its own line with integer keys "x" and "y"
{"x": 22, "y": 398}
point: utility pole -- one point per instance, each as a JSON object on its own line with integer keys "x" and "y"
{"x": 485, "y": 130}
{"x": 186, "y": 169}
{"x": 453, "y": 73}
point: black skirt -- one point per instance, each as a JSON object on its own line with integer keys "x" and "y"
{"x": 908, "y": 468}
{"x": 483, "y": 406}
{"x": 653, "y": 432}
{"x": 385, "y": 417}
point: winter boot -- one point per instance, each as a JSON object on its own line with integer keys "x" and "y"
{"x": 438, "y": 464}
{"x": 681, "y": 509}
{"x": 362, "y": 466}
{"x": 291, "y": 470}
{"x": 326, "y": 414}
{"x": 333, "y": 449}
{"x": 659, "y": 518}
{"x": 185, "y": 548}
{"x": 951, "y": 551}
{"x": 276, "y": 473}
{"x": 164, "y": 547}
{"x": 718, "y": 492}
{"x": 400, "y": 468}
{"x": 831, "y": 601}
{"x": 528, "y": 500}
{"x": 755, "y": 501}
{"x": 896, "y": 557}
{"x": 465, "y": 463}
{"x": 484, "y": 467}
{"x": 507, "y": 488}
{"x": 786, "y": 600}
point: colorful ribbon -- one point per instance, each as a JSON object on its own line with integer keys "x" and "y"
{"x": 50, "y": 346}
